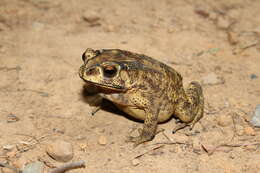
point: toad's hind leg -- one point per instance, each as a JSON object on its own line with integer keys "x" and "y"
{"x": 190, "y": 106}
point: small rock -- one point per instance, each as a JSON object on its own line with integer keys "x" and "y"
{"x": 12, "y": 154}
{"x": 102, "y": 140}
{"x": 20, "y": 163}
{"x": 58, "y": 130}
{"x": 249, "y": 131}
{"x": 255, "y": 121}
{"x": 60, "y": 150}
{"x": 224, "y": 120}
{"x": 123, "y": 42}
{"x": 80, "y": 137}
{"x": 35, "y": 167}
{"x": 83, "y": 147}
{"x": 8, "y": 147}
{"x": 135, "y": 162}
{"x": 7, "y": 170}
{"x": 92, "y": 18}
{"x": 253, "y": 76}
{"x": 12, "y": 118}
{"x": 202, "y": 12}
{"x": 212, "y": 79}
{"x": 232, "y": 37}
{"x": 222, "y": 23}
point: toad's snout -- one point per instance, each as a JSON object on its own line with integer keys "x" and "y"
{"x": 81, "y": 71}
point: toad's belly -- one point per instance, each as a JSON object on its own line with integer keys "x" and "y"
{"x": 140, "y": 114}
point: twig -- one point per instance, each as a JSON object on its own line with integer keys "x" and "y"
{"x": 69, "y": 166}
{"x": 32, "y": 137}
{"x": 161, "y": 144}
{"x": 234, "y": 128}
{"x": 10, "y": 167}
{"x": 171, "y": 143}
{"x": 153, "y": 149}
{"x": 211, "y": 151}
{"x": 167, "y": 137}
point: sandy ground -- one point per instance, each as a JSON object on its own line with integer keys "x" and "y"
{"x": 215, "y": 42}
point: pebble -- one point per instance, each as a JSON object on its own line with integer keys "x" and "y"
{"x": 35, "y": 167}
{"x": 60, "y": 150}
{"x": 212, "y": 79}
{"x": 255, "y": 121}
{"x": 249, "y": 131}
{"x": 232, "y": 38}
{"x": 253, "y": 76}
{"x": 8, "y": 147}
{"x": 7, "y": 170}
{"x": 102, "y": 140}
{"x": 92, "y": 18}
{"x": 202, "y": 12}
{"x": 224, "y": 120}
{"x": 135, "y": 162}
{"x": 12, "y": 154}
{"x": 12, "y": 118}
{"x": 20, "y": 163}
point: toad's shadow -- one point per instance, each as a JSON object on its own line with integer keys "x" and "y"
{"x": 90, "y": 96}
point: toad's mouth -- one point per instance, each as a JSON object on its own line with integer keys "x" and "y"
{"x": 106, "y": 86}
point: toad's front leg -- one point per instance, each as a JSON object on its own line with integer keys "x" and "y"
{"x": 149, "y": 128}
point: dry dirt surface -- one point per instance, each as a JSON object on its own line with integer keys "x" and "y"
{"x": 41, "y": 100}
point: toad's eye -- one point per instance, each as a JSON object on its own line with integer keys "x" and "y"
{"x": 83, "y": 56}
{"x": 110, "y": 71}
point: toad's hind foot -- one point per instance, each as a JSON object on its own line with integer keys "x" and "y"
{"x": 195, "y": 95}
{"x": 190, "y": 108}
{"x": 179, "y": 127}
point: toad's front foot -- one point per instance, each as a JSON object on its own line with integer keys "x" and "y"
{"x": 143, "y": 137}
{"x": 139, "y": 139}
